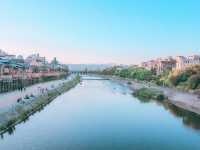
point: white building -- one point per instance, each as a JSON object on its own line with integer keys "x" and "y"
{"x": 160, "y": 65}
{"x": 35, "y": 60}
{"x": 184, "y": 62}
{"x": 4, "y": 55}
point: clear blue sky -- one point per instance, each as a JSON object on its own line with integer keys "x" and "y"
{"x": 95, "y": 31}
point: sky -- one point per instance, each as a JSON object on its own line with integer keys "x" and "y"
{"x": 100, "y": 31}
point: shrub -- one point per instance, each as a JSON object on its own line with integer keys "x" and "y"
{"x": 131, "y": 72}
{"x": 148, "y": 93}
{"x": 11, "y": 122}
{"x": 129, "y": 83}
{"x": 194, "y": 81}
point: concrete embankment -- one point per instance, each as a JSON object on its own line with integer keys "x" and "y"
{"x": 184, "y": 100}
{"x": 22, "y": 110}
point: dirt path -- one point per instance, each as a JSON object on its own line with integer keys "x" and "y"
{"x": 185, "y": 100}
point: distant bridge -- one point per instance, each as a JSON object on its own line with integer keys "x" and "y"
{"x": 90, "y": 76}
{"x": 94, "y": 78}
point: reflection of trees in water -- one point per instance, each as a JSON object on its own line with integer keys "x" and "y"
{"x": 11, "y": 130}
{"x": 142, "y": 100}
{"x": 189, "y": 119}
{"x": 2, "y": 136}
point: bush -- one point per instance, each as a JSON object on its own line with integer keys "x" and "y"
{"x": 11, "y": 122}
{"x": 194, "y": 81}
{"x": 148, "y": 93}
{"x": 131, "y": 72}
{"x": 178, "y": 78}
{"x": 160, "y": 97}
{"x": 186, "y": 79}
{"x": 129, "y": 83}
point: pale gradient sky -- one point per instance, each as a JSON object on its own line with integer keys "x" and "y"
{"x": 100, "y": 31}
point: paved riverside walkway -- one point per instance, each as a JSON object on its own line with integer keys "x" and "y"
{"x": 9, "y": 99}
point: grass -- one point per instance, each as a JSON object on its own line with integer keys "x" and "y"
{"x": 149, "y": 93}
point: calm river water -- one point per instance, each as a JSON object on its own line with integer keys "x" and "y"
{"x": 103, "y": 115}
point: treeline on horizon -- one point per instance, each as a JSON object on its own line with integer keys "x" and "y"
{"x": 188, "y": 79}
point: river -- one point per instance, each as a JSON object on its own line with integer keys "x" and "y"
{"x": 103, "y": 115}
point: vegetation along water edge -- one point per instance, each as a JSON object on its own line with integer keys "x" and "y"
{"x": 20, "y": 113}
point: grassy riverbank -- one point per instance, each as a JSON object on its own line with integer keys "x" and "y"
{"x": 149, "y": 93}
{"x": 19, "y": 113}
{"x": 187, "y": 80}
{"x": 185, "y": 100}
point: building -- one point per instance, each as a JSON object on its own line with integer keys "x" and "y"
{"x": 179, "y": 63}
{"x": 36, "y": 63}
{"x": 159, "y": 65}
{"x": 35, "y": 60}
{"x": 4, "y": 55}
{"x": 165, "y": 65}
{"x": 184, "y": 62}
{"x": 149, "y": 65}
{"x": 6, "y": 65}
{"x": 34, "y": 66}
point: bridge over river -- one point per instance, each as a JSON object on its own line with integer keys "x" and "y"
{"x": 93, "y": 78}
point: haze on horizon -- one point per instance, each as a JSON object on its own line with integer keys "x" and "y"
{"x": 103, "y": 31}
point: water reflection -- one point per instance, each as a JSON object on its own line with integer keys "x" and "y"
{"x": 189, "y": 119}
{"x": 97, "y": 115}
{"x": 117, "y": 88}
{"x": 11, "y": 130}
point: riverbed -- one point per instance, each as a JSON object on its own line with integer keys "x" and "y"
{"x": 102, "y": 114}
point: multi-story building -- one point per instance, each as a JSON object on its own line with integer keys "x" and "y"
{"x": 180, "y": 63}
{"x": 35, "y": 60}
{"x": 160, "y": 65}
{"x": 184, "y": 62}
{"x": 36, "y": 63}
{"x": 165, "y": 65}
{"x": 34, "y": 66}
{"x": 149, "y": 65}
{"x": 4, "y": 55}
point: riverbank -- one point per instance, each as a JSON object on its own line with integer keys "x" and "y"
{"x": 11, "y": 83}
{"x": 184, "y": 100}
{"x": 149, "y": 94}
{"x": 23, "y": 108}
